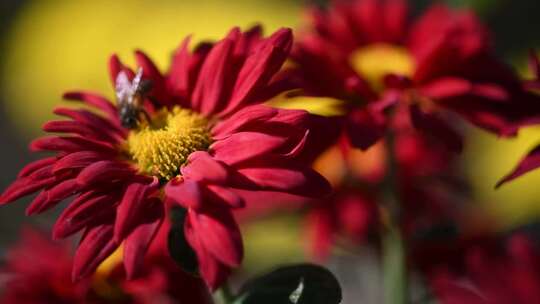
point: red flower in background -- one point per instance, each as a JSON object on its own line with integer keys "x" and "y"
{"x": 488, "y": 270}
{"x": 367, "y": 53}
{"x": 426, "y": 183}
{"x": 191, "y": 139}
{"x": 39, "y": 271}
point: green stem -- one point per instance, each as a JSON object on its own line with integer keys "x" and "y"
{"x": 393, "y": 263}
{"x": 224, "y": 295}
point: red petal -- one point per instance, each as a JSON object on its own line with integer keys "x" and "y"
{"x": 85, "y": 210}
{"x": 76, "y": 161}
{"x": 36, "y": 165}
{"x": 68, "y": 126}
{"x": 244, "y": 146}
{"x": 131, "y": 209}
{"x": 99, "y": 124}
{"x": 49, "y": 198}
{"x": 219, "y": 235}
{"x": 245, "y": 117}
{"x": 96, "y": 245}
{"x": 527, "y": 164}
{"x": 23, "y": 187}
{"x": 178, "y": 76}
{"x": 446, "y": 87}
{"x": 259, "y": 67}
{"x": 151, "y": 72}
{"x": 104, "y": 171}
{"x": 209, "y": 89}
{"x": 213, "y": 272}
{"x": 94, "y": 100}
{"x": 305, "y": 182}
{"x": 138, "y": 241}
{"x": 224, "y": 196}
{"x": 70, "y": 144}
{"x": 115, "y": 66}
{"x": 203, "y": 167}
{"x": 185, "y": 192}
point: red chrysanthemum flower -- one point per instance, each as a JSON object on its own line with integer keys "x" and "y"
{"x": 37, "y": 270}
{"x": 192, "y": 138}
{"x": 365, "y": 52}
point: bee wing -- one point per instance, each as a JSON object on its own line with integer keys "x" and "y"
{"x": 123, "y": 87}
{"x": 136, "y": 82}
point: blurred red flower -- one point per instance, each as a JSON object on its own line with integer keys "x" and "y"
{"x": 367, "y": 53}
{"x": 39, "y": 271}
{"x": 204, "y": 134}
{"x": 488, "y": 270}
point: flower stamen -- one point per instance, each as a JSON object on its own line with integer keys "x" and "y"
{"x": 161, "y": 148}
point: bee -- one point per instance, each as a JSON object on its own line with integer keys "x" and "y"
{"x": 130, "y": 97}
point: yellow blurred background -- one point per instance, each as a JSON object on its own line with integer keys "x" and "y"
{"x": 60, "y": 45}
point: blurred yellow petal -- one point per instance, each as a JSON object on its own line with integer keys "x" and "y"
{"x": 54, "y": 46}
{"x": 324, "y": 106}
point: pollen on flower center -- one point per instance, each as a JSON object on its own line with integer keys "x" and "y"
{"x": 375, "y": 61}
{"x": 160, "y": 148}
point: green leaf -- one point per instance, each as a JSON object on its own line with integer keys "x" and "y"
{"x": 179, "y": 249}
{"x": 296, "y": 284}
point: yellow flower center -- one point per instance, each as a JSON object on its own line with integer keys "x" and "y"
{"x": 375, "y": 61}
{"x": 160, "y": 148}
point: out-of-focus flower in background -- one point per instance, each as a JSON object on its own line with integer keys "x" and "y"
{"x": 489, "y": 269}
{"x": 38, "y": 270}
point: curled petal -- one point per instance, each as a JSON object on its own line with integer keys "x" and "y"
{"x": 36, "y": 165}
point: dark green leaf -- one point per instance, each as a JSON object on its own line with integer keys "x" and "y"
{"x": 179, "y": 249}
{"x": 296, "y": 284}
